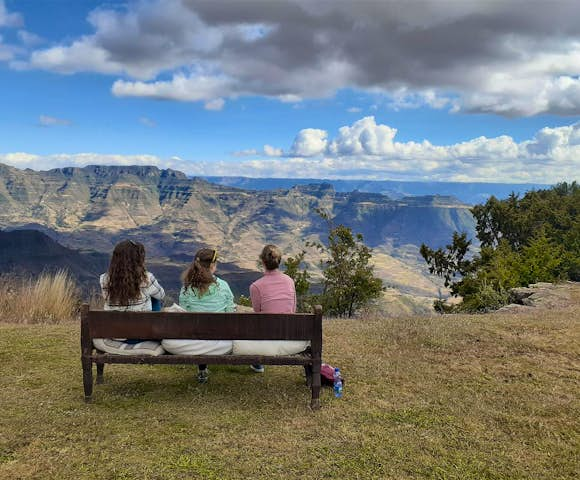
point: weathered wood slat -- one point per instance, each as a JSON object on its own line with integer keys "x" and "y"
{"x": 204, "y": 326}
{"x": 209, "y": 359}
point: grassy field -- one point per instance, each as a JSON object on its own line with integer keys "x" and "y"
{"x": 455, "y": 397}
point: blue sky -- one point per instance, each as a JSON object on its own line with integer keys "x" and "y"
{"x": 424, "y": 90}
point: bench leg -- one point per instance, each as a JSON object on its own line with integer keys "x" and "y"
{"x": 308, "y": 375}
{"x": 87, "y": 378}
{"x": 315, "y": 402}
{"x": 100, "y": 369}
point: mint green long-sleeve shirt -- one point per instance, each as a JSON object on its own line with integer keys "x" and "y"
{"x": 218, "y": 298}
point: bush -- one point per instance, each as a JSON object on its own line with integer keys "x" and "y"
{"x": 50, "y": 298}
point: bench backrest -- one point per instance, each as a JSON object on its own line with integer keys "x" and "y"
{"x": 206, "y": 326}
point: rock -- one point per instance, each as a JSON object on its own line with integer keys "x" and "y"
{"x": 541, "y": 295}
{"x": 542, "y": 285}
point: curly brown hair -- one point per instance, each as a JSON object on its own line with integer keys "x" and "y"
{"x": 126, "y": 274}
{"x": 198, "y": 276}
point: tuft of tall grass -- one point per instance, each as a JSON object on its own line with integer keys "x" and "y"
{"x": 49, "y": 298}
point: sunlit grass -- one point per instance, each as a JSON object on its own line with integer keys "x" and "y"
{"x": 451, "y": 397}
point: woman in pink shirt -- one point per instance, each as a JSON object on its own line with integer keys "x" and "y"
{"x": 274, "y": 292}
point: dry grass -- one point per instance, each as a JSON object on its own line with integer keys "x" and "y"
{"x": 50, "y": 298}
{"x": 453, "y": 397}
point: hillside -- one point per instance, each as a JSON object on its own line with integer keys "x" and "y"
{"x": 27, "y": 253}
{"x": 30, "y": 252}
{"x": 109, "y": 200}
{"x": 454, "y": 397}
{"x": 96, "y": 206}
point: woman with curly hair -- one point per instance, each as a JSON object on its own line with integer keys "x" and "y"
{"x": 128, "y": 286}
{"x": 203, "y": 292}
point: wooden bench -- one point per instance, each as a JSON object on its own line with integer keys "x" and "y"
{"x": 206, "y": 326}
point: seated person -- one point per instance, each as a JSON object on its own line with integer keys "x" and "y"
{"x": 203, "y": 292}
{"x": 275, "y": 291}
{"x": 128, "y": 286}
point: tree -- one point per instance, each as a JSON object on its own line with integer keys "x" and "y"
{"x": 450, "y": 262}
{"x": 349, "y": 281}
{"x": 532, "y": 239}
{"x": 301, "y": 279}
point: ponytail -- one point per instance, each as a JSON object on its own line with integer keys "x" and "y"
{"x": 198, "y": 276}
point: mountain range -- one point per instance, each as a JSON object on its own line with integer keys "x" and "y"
{"x": 470, "y": 193}
{"x": 91, "y": 208}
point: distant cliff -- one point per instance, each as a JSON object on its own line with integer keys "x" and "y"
{"x": 96, "y": 206}
{"x": 467, "y": 192}
{"x": 166, "y": 205}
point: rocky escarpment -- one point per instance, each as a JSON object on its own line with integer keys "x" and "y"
{"x": 122, "y": 200}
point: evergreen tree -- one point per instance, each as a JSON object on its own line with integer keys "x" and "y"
{"x": 349, "y": 281}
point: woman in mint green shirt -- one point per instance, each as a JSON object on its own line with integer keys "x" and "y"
{"x": 217, "y": 298}
{"x": 203, "y": 292}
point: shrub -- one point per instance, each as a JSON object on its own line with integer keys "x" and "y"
{"x": 50, "y": 298}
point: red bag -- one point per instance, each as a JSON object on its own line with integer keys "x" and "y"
{"x": 327, "y": 375}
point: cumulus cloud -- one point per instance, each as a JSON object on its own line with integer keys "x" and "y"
{"x": 47, "y": 121}
{"x": 510, "y": 58}
{"x": 309, "y": 142}
{"x": 367, "y": 150}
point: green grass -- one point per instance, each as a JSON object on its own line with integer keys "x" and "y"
{"x": 457, "y": 397}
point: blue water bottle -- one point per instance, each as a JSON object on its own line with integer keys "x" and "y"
{"x": 337, "y": 383}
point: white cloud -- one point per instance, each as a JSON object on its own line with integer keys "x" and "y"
{"x": 369, "y": 150}
{"x": 29, "y": 39}
{"x": 46, "y": 162}
{"x": 183, "y": 88}
{"x": 268, "y": 151}
{"x": 215, "y": 104}
{"x": 364, "y": 137}
{"x": 8, "y": 19}
{"x": 272, "y": 151}
{"x": 354, "y": 110}
{"x": 366, "y": 149}
{"x": 6, "y": 51}
{"x": 514, "y": 58}
{"x": 309, "y": 142}
{"x": 47, "y": 121}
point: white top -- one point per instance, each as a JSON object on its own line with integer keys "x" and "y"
{"x": 150, "y": 288}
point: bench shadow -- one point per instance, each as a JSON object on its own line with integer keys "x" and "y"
{"x": 227, "y": 384}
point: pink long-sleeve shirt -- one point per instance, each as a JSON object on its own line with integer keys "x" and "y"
{"x": 273, "y": 293}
